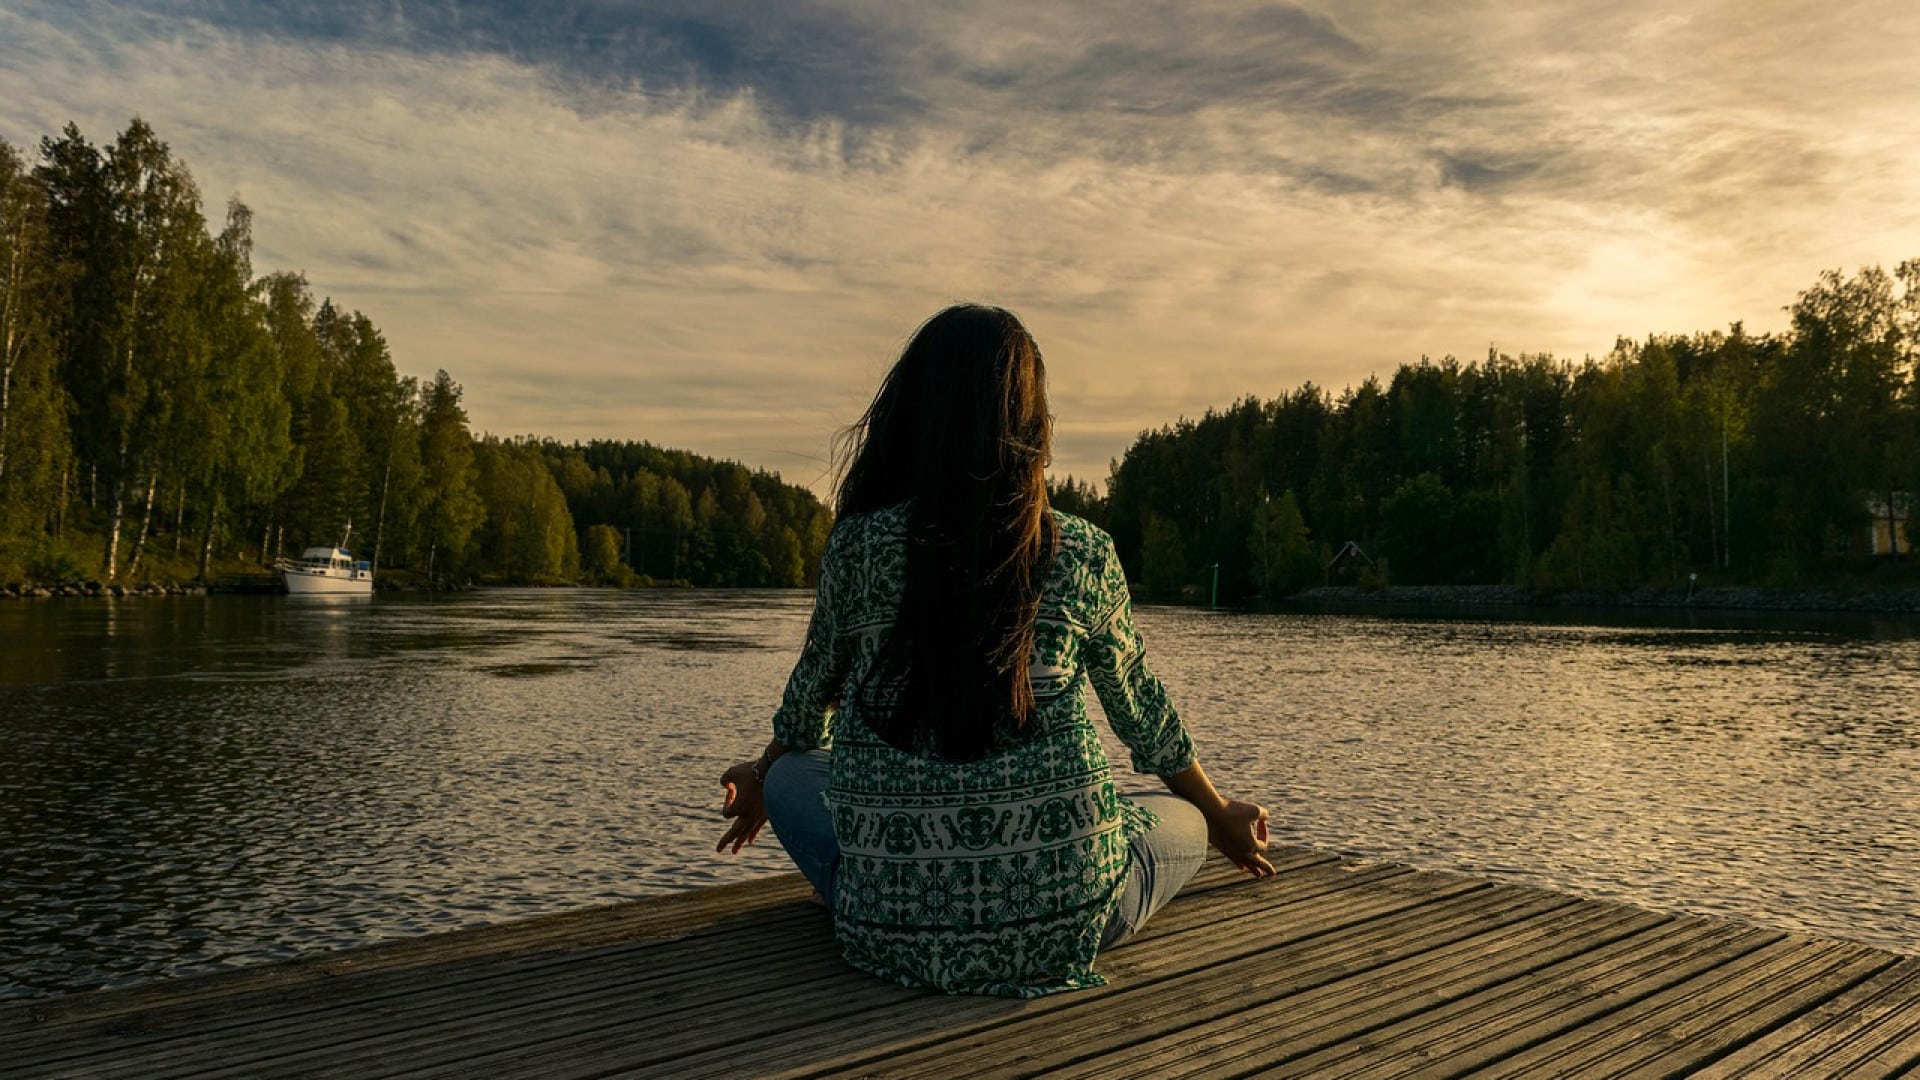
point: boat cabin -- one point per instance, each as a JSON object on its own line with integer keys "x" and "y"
{"x": 322, "y": 558}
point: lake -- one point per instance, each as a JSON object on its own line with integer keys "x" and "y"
{"x": 195, "y": 783}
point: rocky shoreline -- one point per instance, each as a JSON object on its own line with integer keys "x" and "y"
{"x": 1719, "y": 598}
{"x": 97, "y": 589}
{"x": 239, "y": 585}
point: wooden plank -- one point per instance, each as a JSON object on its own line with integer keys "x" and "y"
{"x": 459, "y": 1015}
{"x": 1642, "y": 1034}
{"x": 792, "y": 1016}
{"x": 198, "y": 1016}
{"x": 436, "y": 1025}
{"x": 786, "y": 1019}
{"x": 1708, "y": 1035}
{"x": 1267, "y": 1028}
{"x": 1480, "y": 1028}
{"x": 1202, "y": 985}
{"x": 658, "y": 916}
{"x": 1871, "y": 1030}
{"x": 1143, "y": 963}
{"x": 543, "y": 940}
{"x": 1332, "y": 969}
{"x": 283, "y": 1017}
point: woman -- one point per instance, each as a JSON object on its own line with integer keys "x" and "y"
{"x": 933, "y": 772}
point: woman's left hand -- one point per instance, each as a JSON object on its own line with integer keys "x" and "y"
{"x": 1239, "y": 830}
{"x": 745, "y": 804}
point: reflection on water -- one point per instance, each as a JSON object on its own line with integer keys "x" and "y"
{"x": 191, "y": 783}
{"x": 1767, "y": 772}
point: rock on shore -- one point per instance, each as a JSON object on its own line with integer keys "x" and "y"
{"x": 97, "y": 589}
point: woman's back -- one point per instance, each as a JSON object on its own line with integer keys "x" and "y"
{"x": 964, "y": 823}
{"x": 997, "y": 874}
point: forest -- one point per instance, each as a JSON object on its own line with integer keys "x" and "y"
{"x": 167, "y": 415}
{"x": 1783, "y": 460}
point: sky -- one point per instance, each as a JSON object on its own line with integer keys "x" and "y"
{"x": 713, "y": 225}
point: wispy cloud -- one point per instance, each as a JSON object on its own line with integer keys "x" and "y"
{"x": 712, "y": 227}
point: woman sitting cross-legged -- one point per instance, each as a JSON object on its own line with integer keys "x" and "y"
{"x": 933, "y": 771}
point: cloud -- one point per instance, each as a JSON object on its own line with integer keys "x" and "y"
{"x": 713, "y": 229}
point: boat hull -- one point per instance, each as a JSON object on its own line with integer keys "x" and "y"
{"x": 303, "y": 584}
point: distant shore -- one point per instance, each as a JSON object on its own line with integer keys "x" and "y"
{"x": 266, "y": 584}
{"x": 239, "y": 585}
{"x": 1893, "y": 601}
{"x": 100, "y": 589}
{"x": 1715, "y": 598}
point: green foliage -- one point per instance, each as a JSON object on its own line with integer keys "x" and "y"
{"x": 33, "y": 408}
{"x": 600, "y": 562}
{"x": 528, "y": 533}
{"x": 683, "y": 517}
{"x": 1752, "y": 457}
{"x": 1076, "y": 497}
{"x": 1281, "y": 548}
{"x": 56, "y": 562}
{"x": 168, "y": 409}
{"x": 1166, "y": 564}
{"x": 1417, "y": 531}
{"x": 451, "y": 507}
{"x": 150, "y": 388}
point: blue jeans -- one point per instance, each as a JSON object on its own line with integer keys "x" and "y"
{"x": 1165, "y": 858}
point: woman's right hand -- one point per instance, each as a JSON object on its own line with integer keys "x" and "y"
{"x": 745, "y": 803}
{"x": 1239, "y": 830}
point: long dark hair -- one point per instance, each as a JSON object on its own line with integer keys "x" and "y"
{"x": 961, "y": 434}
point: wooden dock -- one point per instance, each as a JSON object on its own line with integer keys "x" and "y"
{"x": 1332, "y": 969}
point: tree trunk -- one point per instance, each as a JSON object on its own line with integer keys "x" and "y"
{"x": 179, "y": 517}
{"x": 120, "y": 470}
{"x": 206, "y": 540}
{"x": 6, "y": 396}
{"x": 1713, "y": 524}
{"x": 146, "y": 524}
{"x": 10, "y": 340}
{"x": 1726, "y": 499}
{"x": 117, "y": 511}
{"x": 60, "y": 509}
{"x": 266, "y": 542}
{"x": 380, "y": 518}
{"x": 1673, "y": 555}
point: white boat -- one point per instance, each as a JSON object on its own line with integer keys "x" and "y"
{"x": 330, "y": 571}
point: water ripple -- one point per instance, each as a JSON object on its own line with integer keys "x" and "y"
{"x": 201, "y": 783}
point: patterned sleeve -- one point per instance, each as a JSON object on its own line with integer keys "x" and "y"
{"x": 803, "y": 721}
{"x": 1136, "y": 704}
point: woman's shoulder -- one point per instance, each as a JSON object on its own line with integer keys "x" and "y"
{"x": 866, "y": 523}
{"x": 1080, "y": 535}
{"x": 1083, "y": 553}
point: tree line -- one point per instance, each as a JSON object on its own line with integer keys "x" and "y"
{"x": 1778, "y": 459}
{"x": 162, "y": 409}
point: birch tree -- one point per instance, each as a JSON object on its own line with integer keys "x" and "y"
{"x": 126, "y": 225}
{"x": 33, "y": 438}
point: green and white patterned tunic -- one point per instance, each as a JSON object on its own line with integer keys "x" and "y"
{"x": 994, "y": 876}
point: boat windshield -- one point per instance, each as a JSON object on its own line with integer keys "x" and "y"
{"x": 326, "y": 559}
